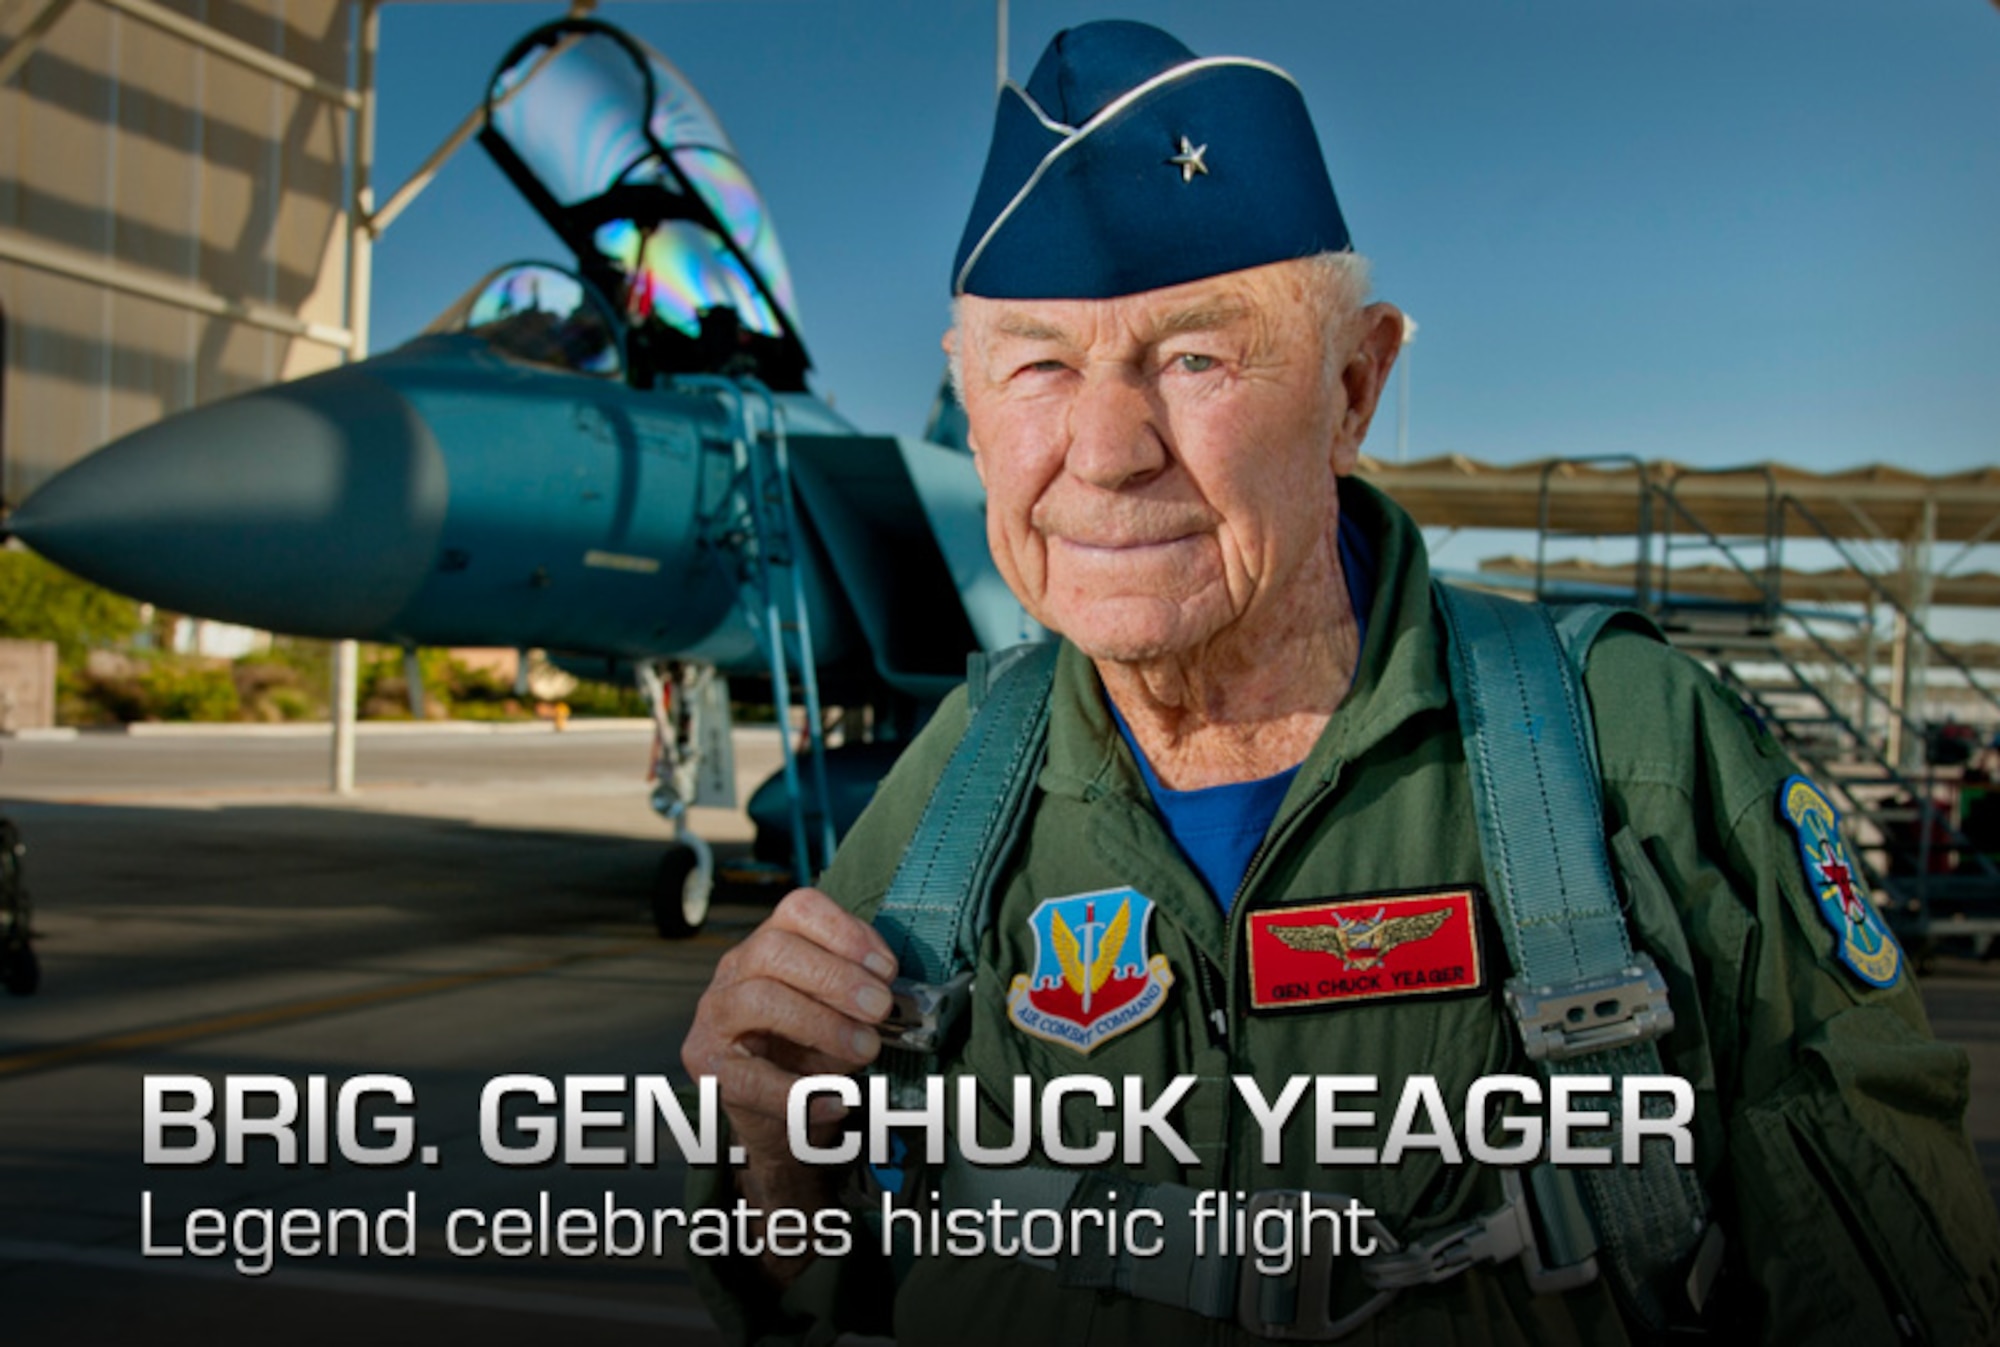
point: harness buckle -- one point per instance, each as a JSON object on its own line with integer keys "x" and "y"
{"x": 922, "y": 1014}
{"x": 1297, "y": 1306}
{"x": 1506, "y": 1232}
{"x": 1572, "y": 1019}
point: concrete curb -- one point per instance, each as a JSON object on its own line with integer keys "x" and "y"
{"x": 368, "y": 729}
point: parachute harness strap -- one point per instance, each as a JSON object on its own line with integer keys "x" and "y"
{"x": 938, "y": 902}
{"x": 1585, "y": 1002}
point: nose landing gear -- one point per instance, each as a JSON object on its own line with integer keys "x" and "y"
{"x": 20, "y": 971}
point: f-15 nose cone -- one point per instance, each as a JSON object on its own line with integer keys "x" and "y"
{"x": 313, "y": 508}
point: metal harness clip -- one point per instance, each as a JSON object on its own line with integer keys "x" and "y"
{"x": 1576, "y": 1018}
{"x": 921, "y": 1014}
{"x": 1298, "y": 1307}
{"x": 1504, "y": 1233}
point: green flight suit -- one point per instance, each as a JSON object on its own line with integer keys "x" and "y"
{"x": 1829, "y": 1124}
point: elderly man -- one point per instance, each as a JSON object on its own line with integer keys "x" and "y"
{"x": 1253, "y": 849}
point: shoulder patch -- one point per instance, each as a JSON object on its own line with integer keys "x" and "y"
{"x": 1364, "y": 948}
{"x": 1095, "y": 975}
{"x": 1861, "y": 936}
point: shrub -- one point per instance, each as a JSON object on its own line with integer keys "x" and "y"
{"x": 273, "y": 691}
{"x": 40, "y": 601}
{"x": 295, "y": 704}
{"x": 190, "y": 690}
{"x": 593, "y": 698}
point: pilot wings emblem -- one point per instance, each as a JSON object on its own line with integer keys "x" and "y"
{"x": 1400, "y": 944}
{"x": 1362, "y": 944}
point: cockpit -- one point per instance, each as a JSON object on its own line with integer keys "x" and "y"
{"x": 539, "y": 314}
{"x": 625, "y": 161}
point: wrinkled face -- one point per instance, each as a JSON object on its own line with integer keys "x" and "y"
{"x": 1160, "y": 467}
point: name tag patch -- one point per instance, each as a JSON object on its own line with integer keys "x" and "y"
{"x": 1363, "y": 949}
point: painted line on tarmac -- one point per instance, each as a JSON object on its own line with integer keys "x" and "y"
{"x": 112, "y": 1045}
{"x": 372, "y": 1284}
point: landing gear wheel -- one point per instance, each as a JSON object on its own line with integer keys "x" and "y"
{"x": 20, "y": 971}
{"x": 681, "y": 894}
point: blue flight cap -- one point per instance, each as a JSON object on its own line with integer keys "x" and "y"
{"x": 1128, "y": 164}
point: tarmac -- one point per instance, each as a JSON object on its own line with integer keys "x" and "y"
{"x": 205, "y": 906}
{"x": 480, "y": 907}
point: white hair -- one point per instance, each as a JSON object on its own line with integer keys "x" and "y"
{"x": 1340, "y": 283}
{"x": 1335, "y": 284}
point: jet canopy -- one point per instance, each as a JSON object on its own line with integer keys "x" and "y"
{"x": 628, "y": 164}
{"x": 539, "y": 314}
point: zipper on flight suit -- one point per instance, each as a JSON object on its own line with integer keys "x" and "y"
{"x": 1272, "y": 840}
{"x": 1214, "y": 993}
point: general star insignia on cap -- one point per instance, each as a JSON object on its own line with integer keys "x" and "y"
{"x": 1073, "y": 205}
{"x": 1188, "y": 161}
{"x": 1861, "y": 938}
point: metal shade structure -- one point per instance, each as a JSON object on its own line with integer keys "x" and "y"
{"x": 1978, "y": 589}
{"x": 1878, "y": 502}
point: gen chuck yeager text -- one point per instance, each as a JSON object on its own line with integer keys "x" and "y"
{"x": 583, "y": 1120}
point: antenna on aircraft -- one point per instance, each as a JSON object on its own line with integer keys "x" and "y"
{"x": 1403, "y": 392}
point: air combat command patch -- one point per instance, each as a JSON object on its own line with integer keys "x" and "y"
{"x": 1094, "y": 976}
{"x": 1861, "y": 937}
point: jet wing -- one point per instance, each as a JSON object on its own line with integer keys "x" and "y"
{"x": 902, "y": 523}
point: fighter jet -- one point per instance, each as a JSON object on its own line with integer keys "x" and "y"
{"x": 617, "y": 459}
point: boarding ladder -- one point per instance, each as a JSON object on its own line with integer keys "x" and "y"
{"x": 754, "y": 521}
{"x": 1823, "y": 706}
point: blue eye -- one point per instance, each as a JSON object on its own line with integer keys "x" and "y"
{"x": 1193, "y": 363}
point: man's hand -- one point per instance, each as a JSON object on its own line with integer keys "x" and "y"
{"x": 801, "y": 996}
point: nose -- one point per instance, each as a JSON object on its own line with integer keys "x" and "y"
{"x": 311, "y": 508}
{"x": 1116, "y": 436}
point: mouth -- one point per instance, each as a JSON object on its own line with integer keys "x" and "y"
{"x": 1114, "y": 540}
{"x": 1110, "y": 546}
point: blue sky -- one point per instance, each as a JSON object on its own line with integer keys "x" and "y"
{"x": 1704, "y": 230}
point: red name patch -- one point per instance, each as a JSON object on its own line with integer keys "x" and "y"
{"x": 1360, "y": 949}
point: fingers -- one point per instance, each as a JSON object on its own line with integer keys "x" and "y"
{"x": 762, "y": 1006}
{"x": 834, "y": 982}
{"x": 801, "y": 995}
{"x": 756, "y": 1086}
{"x": 816, "y": 917}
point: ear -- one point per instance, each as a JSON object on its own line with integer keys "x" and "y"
{"x": 951, "y": 342}
{"x": 1364, "y": 376}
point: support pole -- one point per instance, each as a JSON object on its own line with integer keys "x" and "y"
{"x": 414, "y": 185}
{"x": 361, "y": 236}
{"x": 346, "y": 687}
{"x": 1403, "y": 391}
{"x": 361, "y": 160}
{"x": 413, "y": 681}
{"x": 1403, "y": 410}
{"x": 31, "y": 37}
{"x": 1864, "y": 708}
{"x": 231, "y": 49}
{"x": 1917, "y": 585}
